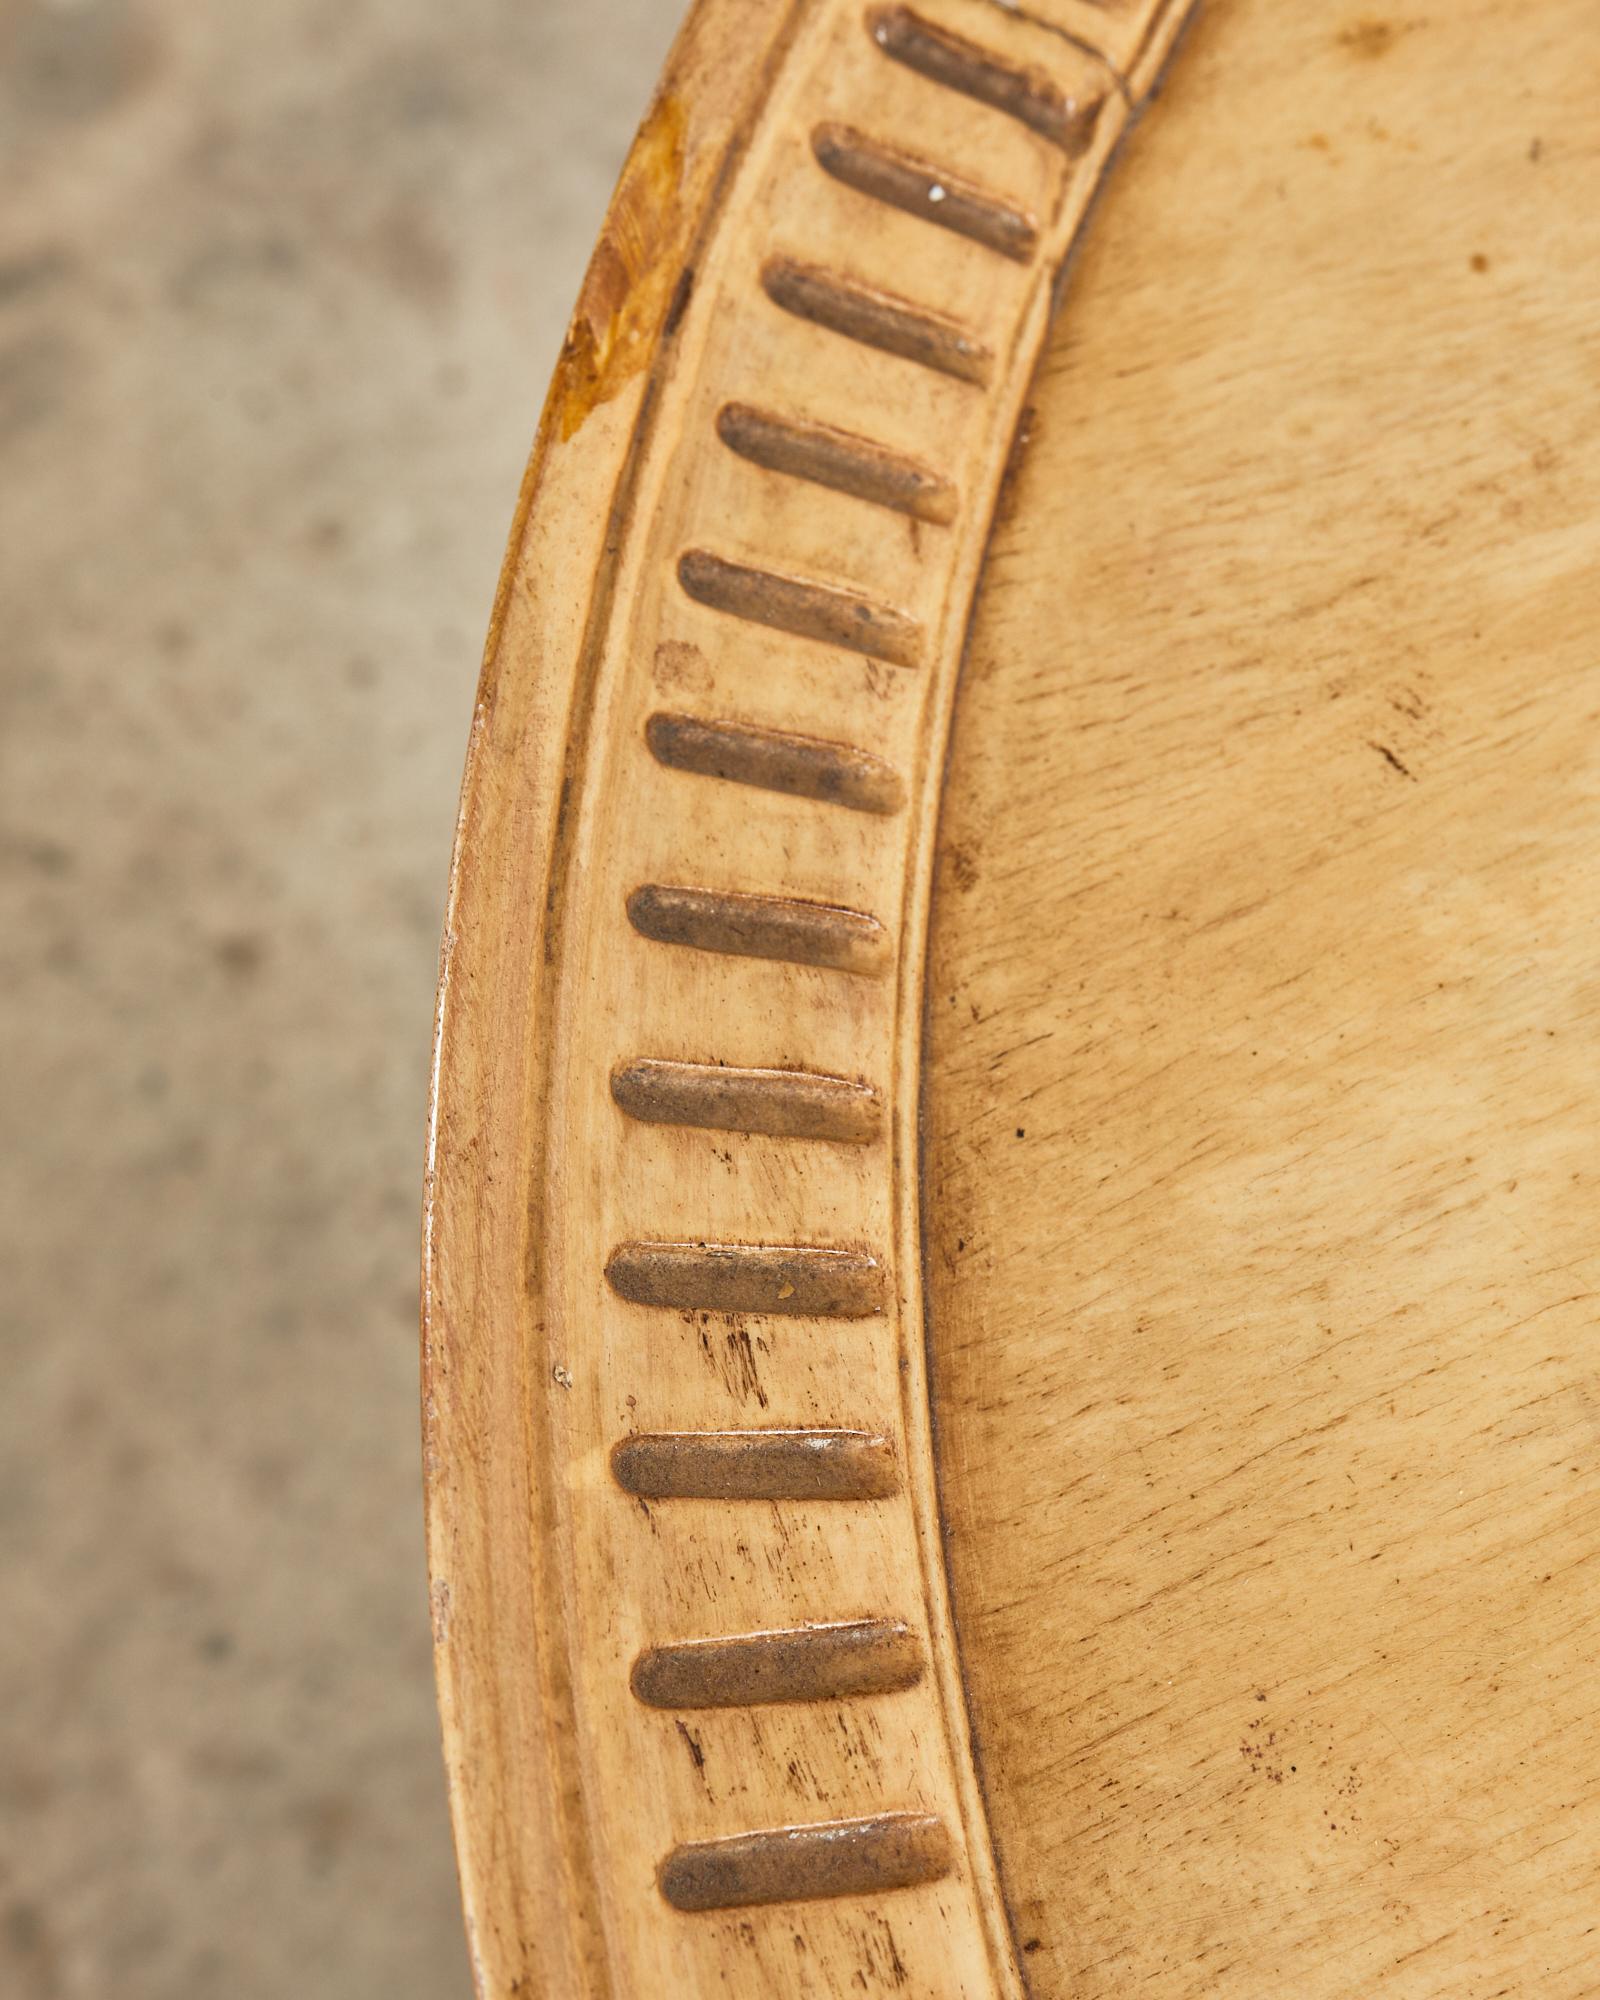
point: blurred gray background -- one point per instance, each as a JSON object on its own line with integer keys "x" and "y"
{"x": 280, "y": 289}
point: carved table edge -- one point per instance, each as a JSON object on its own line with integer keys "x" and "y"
{"x": 537, "y": 1893}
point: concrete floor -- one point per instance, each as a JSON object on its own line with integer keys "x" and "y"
{"x": 280, "y": 288}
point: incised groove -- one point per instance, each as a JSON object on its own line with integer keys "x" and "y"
{"x": 1022, "y": 91}
{"x": 793, "y": 1280}
{"x": 790, "y": 1864}
{"x": 877, "y": 319}
{"x": 805, "y": 767}
{"x": 627, "y": 291}
{"x": 837, "y": 1662}
{"x": 824, "y": 611}
{"x": 749, "y": 926}
{"x": 756, "y": 1465}
{"x": 778, "y": 1103}
{"x": 906, "y": 181}
{"x": 840, "y": 459}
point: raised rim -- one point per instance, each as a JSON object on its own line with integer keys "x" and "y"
{"x": 791, "y": 241}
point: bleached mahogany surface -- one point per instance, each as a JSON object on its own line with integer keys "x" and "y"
{"x": 1262, "y": 1061}
{"x": 1009, "y": 1399}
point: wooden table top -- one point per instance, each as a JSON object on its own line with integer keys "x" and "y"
{"x": 1010, "y": 1387}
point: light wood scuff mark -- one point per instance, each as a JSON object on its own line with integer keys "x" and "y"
{"x": 920, "y": 187}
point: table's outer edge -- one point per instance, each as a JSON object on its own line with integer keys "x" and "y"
{"x": 637, "y": 871}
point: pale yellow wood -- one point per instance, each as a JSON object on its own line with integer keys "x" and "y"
{"x": 1264, "y": 1049}
{"x": 709, "y": 1701}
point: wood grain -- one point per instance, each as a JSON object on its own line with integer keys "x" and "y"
{"x": 1263, "y": 1044}
{"x": 810, "y": 607}
{"x": 716, "y": 633}
{"x": 1270, "y": 742}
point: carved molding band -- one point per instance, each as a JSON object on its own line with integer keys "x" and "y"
{"x": 694, "y": 1192}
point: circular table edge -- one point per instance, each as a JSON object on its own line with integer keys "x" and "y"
{"x": 548, "y": 1903}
